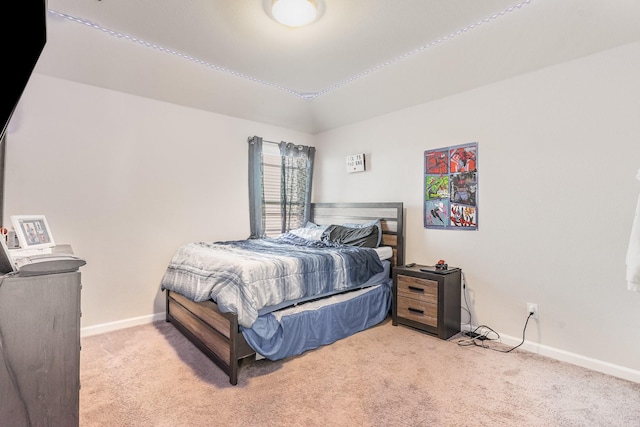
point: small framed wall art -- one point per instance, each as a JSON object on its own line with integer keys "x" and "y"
{"x": 355, "y": 163}
{"x": 451, "y": 187}
{"x": 33, "y": 231}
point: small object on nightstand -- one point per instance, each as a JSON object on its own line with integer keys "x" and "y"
{"x": 411, "y": 264}
{"x": 441, "y": 265}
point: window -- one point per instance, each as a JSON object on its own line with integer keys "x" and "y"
{"x": 272, "y": 185}
{"x": 280, "y": 177}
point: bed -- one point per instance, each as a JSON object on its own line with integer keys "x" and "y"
{"x": 276, "y": 317}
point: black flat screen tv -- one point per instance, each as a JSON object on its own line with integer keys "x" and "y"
{"x": 22, "y": 45}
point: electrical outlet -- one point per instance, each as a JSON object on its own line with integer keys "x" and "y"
{"x": 532, "y": 308}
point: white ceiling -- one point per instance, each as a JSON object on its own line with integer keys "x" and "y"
{"x": 362, "y": 58}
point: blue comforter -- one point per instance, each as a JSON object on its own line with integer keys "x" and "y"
{"x": 246, "y": 275}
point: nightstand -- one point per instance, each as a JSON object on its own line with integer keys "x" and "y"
{"x": 427, "y": 300}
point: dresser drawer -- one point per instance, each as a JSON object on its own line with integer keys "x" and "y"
{"x": 418, "y": 311}
{"x": 417, "y": 288}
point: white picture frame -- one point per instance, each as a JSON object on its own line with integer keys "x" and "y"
{"x": 33, "y": 231}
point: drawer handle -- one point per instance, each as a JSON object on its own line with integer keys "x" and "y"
{"x": 415, "y": 310}
{"x": 414, "y": 289}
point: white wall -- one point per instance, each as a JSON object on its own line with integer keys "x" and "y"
{"x": 126, "y": 180}
{"x": 558, "y": 153}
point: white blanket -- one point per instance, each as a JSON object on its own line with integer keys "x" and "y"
{"x": 633, "y": 252}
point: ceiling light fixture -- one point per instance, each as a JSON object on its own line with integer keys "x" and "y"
{"x": 294, "y": 13}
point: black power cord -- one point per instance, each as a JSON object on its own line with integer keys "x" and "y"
{"x": 482, "y": 333}
{"x": 482, "y": 336}
{"x": 464, "y": 294}
{"x": 524, "y": 330}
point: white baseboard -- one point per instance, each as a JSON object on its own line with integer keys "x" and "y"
{"x": 121, "y": 324}
{"x": 573, "y": 358}
{"x": 554, "y": 353}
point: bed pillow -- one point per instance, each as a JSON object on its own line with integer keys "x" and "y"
{"x": 309, "y": 232}
{"x": 375, "y": 222}
{"x": 353, "y": 236}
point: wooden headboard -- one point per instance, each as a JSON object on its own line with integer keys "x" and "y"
{"x": 390, "y": 215}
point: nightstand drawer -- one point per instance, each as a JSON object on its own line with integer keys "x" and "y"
{"x": 414, "y": 287}
{"x": 418, "y": 311}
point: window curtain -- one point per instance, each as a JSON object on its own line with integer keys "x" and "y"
{"x": 256, "y": 189}
{"x": 295, "y": 190}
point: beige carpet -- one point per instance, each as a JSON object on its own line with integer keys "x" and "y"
{"x": 385, "y": 376}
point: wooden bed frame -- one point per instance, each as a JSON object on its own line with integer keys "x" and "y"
{"x": 217, "y": 334}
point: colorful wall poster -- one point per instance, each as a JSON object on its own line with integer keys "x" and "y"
{"x": 451, "y": 187}
{"x": 436, "y": 162}
{"x": 436, "y": 213}
{"x": 437, "y": 187}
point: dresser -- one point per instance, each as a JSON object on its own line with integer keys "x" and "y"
{"x": 427, "y": 300}
{"x": 40, "y": 366}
